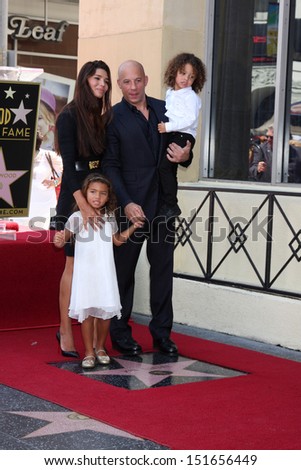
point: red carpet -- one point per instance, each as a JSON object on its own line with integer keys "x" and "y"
{"x": 259, "y": 411}
{"x": 31, "y": 268}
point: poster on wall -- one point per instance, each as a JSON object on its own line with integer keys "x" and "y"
{"x": 18, "y": 128}
{"x": 61, "y": 88}
{"x": 56, "y": 92}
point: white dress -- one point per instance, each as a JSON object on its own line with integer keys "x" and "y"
{"x": 94, "y": 284}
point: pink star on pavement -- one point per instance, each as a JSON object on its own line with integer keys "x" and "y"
{"x": 68, "y": 421}
{"x": 151, "y": 374}
{"x": 7, "y": 177}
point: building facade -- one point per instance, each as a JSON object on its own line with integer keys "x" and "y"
{"x": 43, "y": 34}
{"x": 237, "y": 255}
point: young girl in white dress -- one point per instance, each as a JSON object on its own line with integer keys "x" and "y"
{"x": 94, "y": 293}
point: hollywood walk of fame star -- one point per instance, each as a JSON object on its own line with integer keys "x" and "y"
{"x": 67, "y": 421}
{"x": 9, "y": 93}
{"x": 20, "y": 113}
{"x": 152, "y": 374}
{"x": 7, "y": 177}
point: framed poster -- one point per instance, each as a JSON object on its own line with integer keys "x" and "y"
{"x": 18, "y": 122}
{"x": 61, "y": 88}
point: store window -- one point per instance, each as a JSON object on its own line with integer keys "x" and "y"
{"x": 255, "y": 127}
{"x": 292, "y": 141}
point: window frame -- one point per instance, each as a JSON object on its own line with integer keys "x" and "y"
{"x": 282, "y": 102}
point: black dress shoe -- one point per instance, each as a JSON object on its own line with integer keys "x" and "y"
{"x": 127, "y": 346}
{"x": 66, "y": 353}
{"x": 166, "y": 346}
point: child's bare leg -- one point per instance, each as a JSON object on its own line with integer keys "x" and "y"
{"x": 103, "y": 327}
{"x": 87, "y": 328}
{"x": 95, "y": 332}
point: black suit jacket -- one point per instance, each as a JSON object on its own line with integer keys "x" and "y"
{"x": 263, "y": 153}
{"x": 129, "y": 162}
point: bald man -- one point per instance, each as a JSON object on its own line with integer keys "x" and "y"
{"x": 134, "y": 150}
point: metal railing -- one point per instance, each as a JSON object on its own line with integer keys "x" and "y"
{"x": 276, "y": 224}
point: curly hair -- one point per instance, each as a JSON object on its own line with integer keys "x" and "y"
{"x": 111, "y": 204}
{"x": 93, "y": 114}
{"x": 178, "y": 63}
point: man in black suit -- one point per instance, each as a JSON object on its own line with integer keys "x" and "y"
{"x": 261, "y": 165}
{"x": 134, "y": 150}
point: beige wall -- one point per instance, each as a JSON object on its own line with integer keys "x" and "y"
{"x": 117, "y": 30}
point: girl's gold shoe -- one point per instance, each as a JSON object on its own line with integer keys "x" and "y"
{"x": 88, "y": 362}
{"x": 102, "y": 359}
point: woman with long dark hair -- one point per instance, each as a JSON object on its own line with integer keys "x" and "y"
{"x": 80, "y": 139}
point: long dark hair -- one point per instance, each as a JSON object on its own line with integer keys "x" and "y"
{"x": 178, "y": 63}
{"x": 92, "y": 114}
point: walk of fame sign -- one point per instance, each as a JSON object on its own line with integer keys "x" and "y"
{"x": 18, "y": 129}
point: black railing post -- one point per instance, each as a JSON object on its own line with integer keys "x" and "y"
{"x": 269, "y": 242}
{"x": 210, "y": 235}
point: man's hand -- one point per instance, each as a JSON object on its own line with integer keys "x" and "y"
{"x": 261, "y": 167}
{"x": 134, "y": 213}
{"x": 178, "y": 154}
